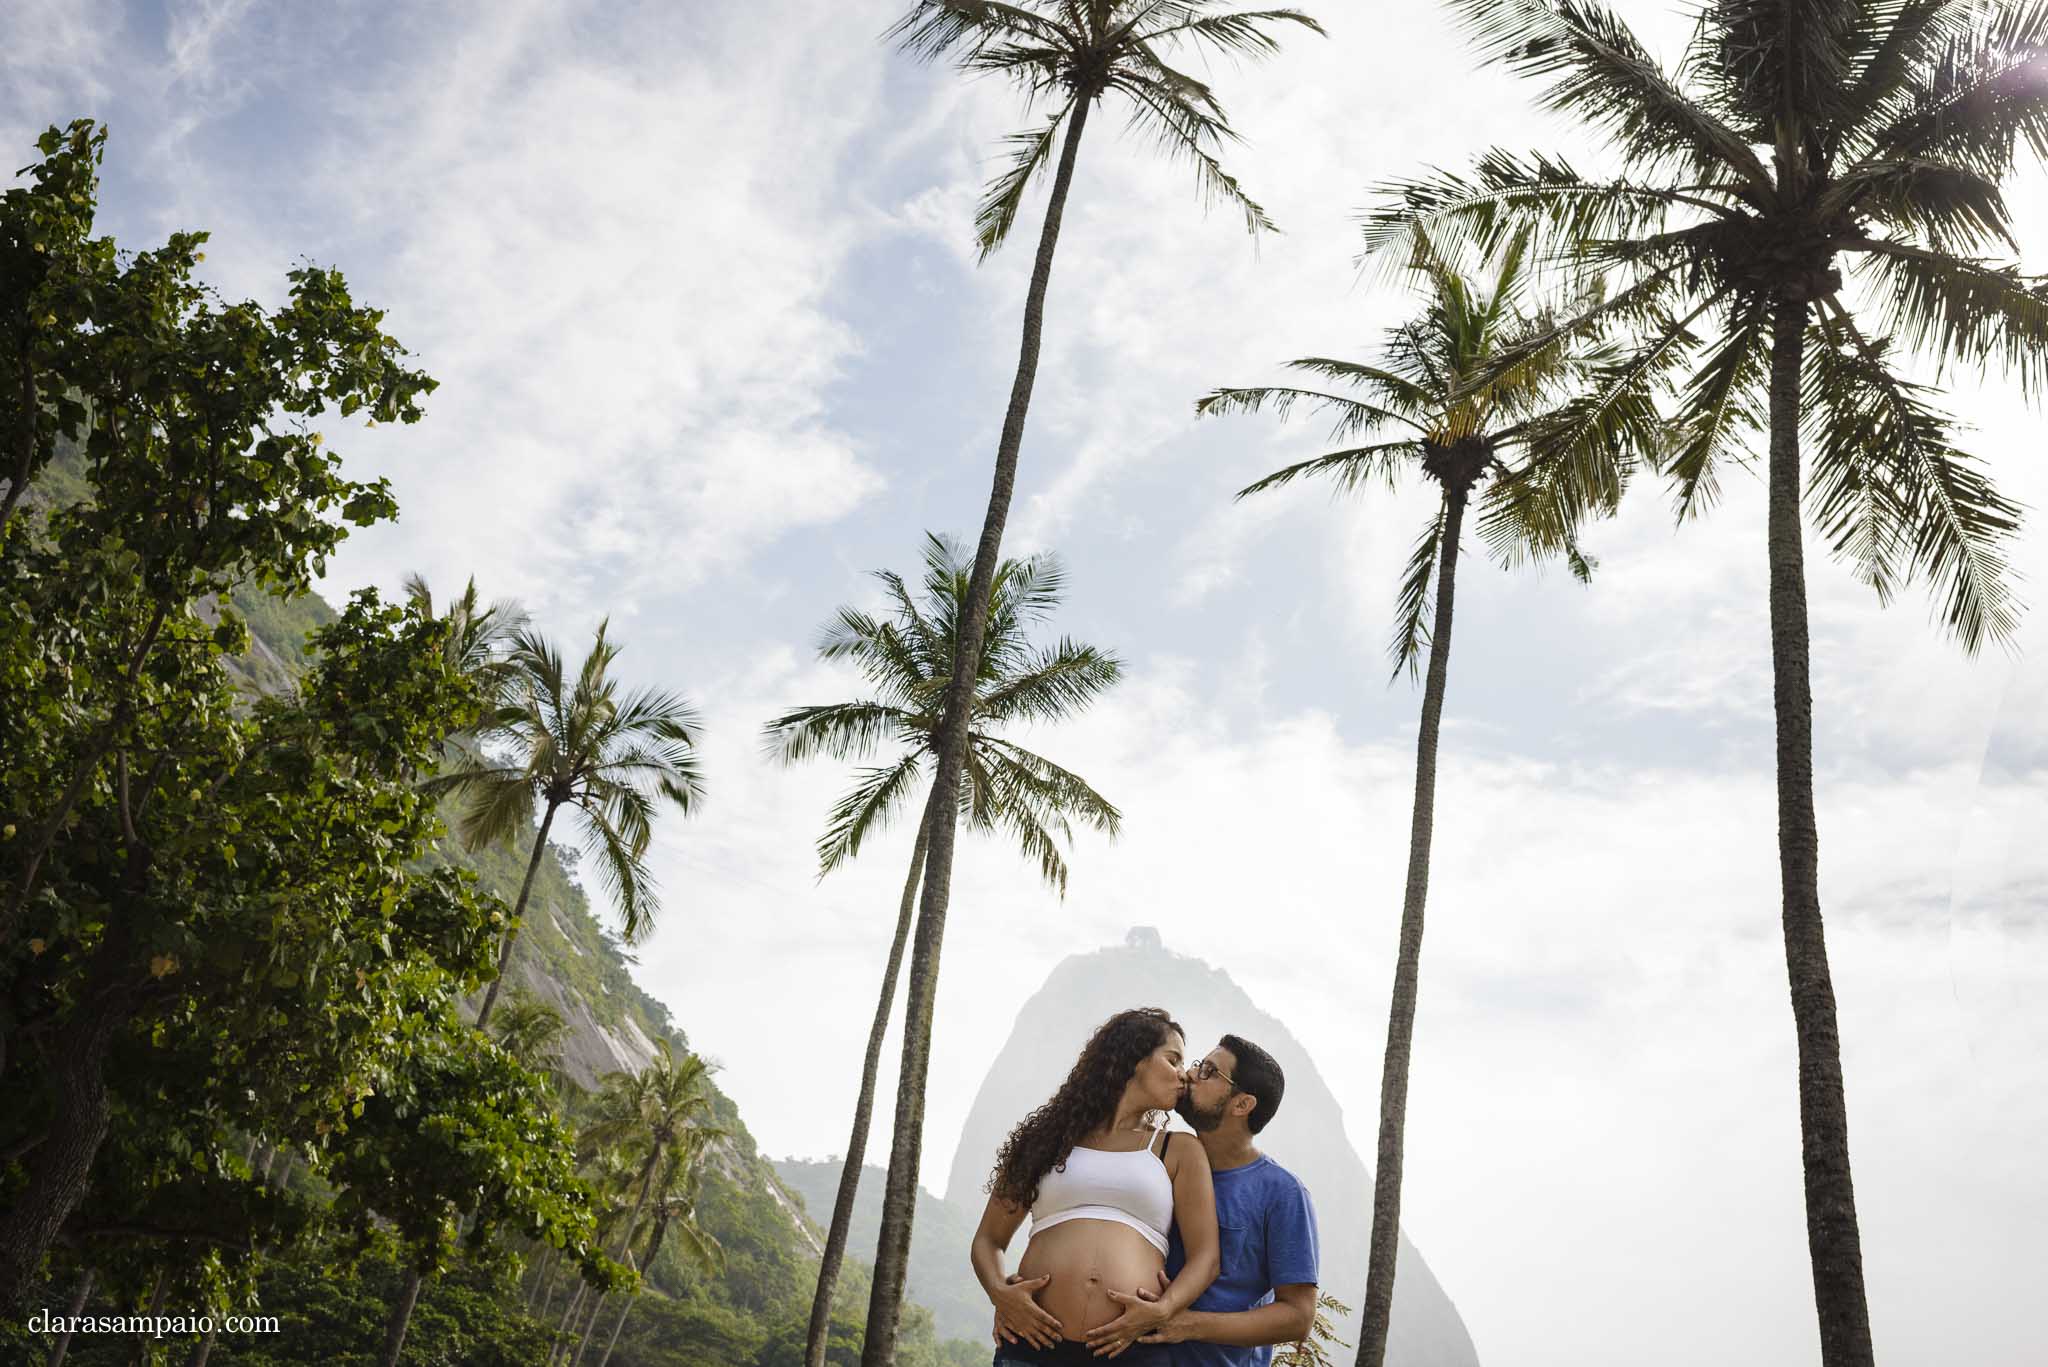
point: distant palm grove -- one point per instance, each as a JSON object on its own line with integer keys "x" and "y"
{"x": 307, "y": 1010}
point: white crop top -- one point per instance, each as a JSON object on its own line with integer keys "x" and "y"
{"x": 1131, "y": 1188}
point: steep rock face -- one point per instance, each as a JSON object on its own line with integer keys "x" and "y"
{"x": 590, "y": 1048}
{"x": 1307, "y": 1136}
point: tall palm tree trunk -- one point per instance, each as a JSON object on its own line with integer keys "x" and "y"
{"x": 1832, "y": 1238}
{"x": 589, "y": 1327}
{"x": 618, "y": 1327}
{"x": 78, "y": 1300}
{"x": 863, "y": 1115}
{"x": 1384, "y": 1244}
{"x": 540, "y": 848}
{"x": 543, "y": 1265}
{"x": 143, "y": 1342}
{"x": 899, "y": 1196}
{"x": 401, "y": 1317}
{"x": 640, "y": 1203}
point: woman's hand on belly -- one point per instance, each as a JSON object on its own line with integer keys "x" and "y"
{"x": 1085, "y": 1260}
{"x": 1019, "y": 1315}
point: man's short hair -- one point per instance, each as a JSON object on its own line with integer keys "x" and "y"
{"x": 1258, "y": 1076}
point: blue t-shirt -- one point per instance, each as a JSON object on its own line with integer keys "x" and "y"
{"x": 1266, "y": 1234}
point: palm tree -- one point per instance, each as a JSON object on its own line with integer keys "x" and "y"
{"x": 579, "y": 745}
{"x": 1795, "y": 139}
{"x": 1449, "y": 411}
{"x": 649, "y": 1114}
{"x": 675, "y": 1208}
{"x": 477, "y": 637}
{"x": 531, "y": 1031}
{"x": 1068, "y": 55}
{"x": 908, "y": 657}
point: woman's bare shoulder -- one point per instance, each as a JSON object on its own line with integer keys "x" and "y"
{"x": 1181, "y": 1148}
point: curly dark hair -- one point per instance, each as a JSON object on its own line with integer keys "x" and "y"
{"x": 1085, "y": 1101}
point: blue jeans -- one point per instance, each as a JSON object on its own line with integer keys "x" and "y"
{"x": 1076, "y": 1353}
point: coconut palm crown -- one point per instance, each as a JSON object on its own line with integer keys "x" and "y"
{"x": 907, "y": 659}
{"x": 1447, "y": 408}
{"x": 1067, "y": 53}
{"x": 581, "y": 743}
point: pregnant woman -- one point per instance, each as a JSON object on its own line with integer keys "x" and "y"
{"x": 1102, "y": 1181}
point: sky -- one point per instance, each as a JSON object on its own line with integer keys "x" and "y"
{"x": 699, "y": 284}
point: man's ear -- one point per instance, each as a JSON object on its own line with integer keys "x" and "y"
{"x": 1243, "y": 1104}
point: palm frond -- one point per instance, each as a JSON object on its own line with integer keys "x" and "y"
{"x": 1962, "y": 311}
{"x": 1949, "y": 207}
{"x": 1061, "y": 790}
{"x": 1896, "y": 497}
{"x": 1722, "y": 403}
{"x": 1051, "y": 685}
{"x": 932, "y": 28}
{"x": 499, "y": 806}
{"x": 1504, "y": 194}
{"x": 1236, "y": 32}
{"x": 877, "y": 795}
{"x": 1414, "y": 602}
{"x": 1598, "y": 72}
{"x": 621, "y": 865}
{"x": 1903, "y": 37}
{"x": 1767, "y": 61}
{"x": 848, "y": 730}
{"x": 1183, "y": 131}
{"x": 1578, "y": 454}
{"x": 1029, "y": 154}
{"x": 1353, "y": 469}
{"x": 1352, "y": 415}
{"x": 1974, "y": 100}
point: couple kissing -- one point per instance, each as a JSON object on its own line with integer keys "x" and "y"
{"x": 1157, "y": 1248}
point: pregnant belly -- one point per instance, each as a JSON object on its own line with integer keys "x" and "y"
{"x": 1086, "y": 1259}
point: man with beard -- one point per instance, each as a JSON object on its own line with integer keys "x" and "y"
{"x": 1266, "y": 1291}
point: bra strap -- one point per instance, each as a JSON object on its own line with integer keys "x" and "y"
{"x": 1157, "y": 1131}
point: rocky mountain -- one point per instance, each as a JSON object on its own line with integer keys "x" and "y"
{"x": 1307, "y": 1136}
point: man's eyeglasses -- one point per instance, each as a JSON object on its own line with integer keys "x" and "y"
{"x": 1206, "y": 1070}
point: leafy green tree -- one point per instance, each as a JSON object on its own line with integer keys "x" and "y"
{"x": 1794, "y": 139}
{"x": 577, "y": 743}
{"x": 459, "y": 1124}
{"x": 151, "y": 818}
{"x": 1068, "y": 54}
{"x": 1445, "y": 407}
{"x": 907, "y": 658}
{"x": 50, "y": 265}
